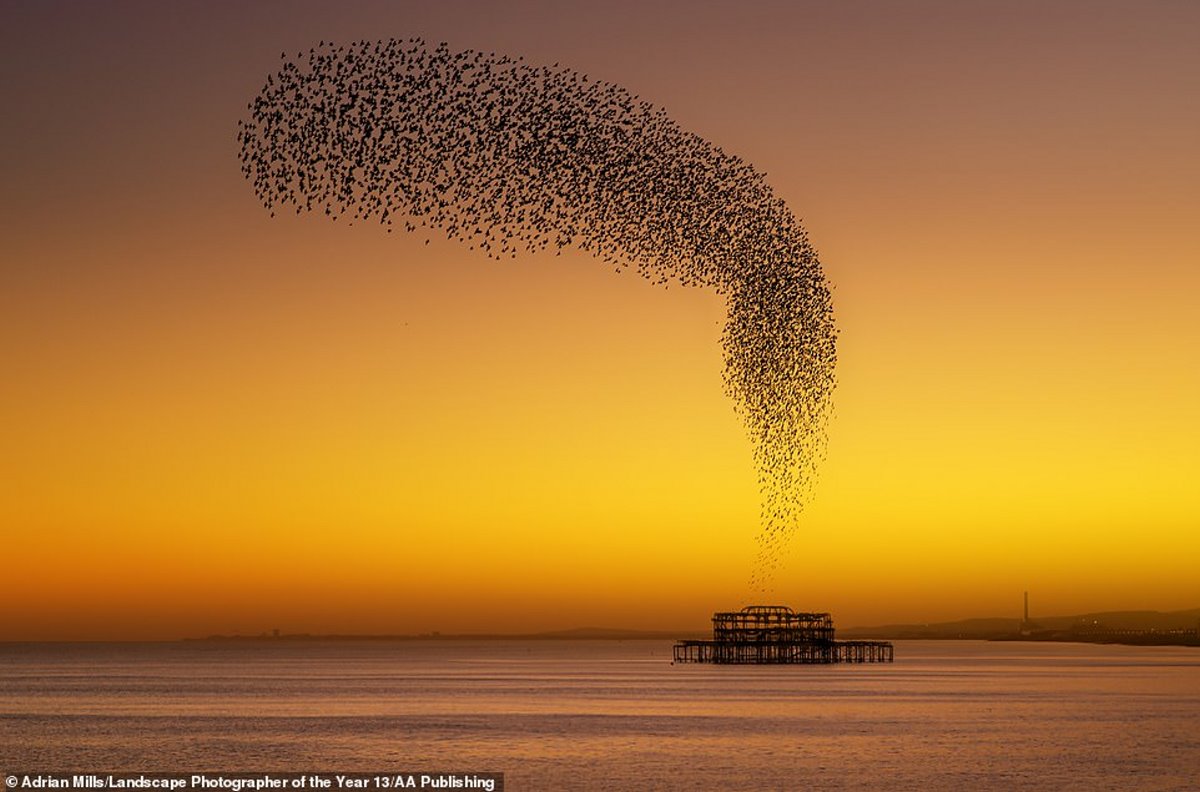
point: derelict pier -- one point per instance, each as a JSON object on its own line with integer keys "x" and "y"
{"x": 779, "y": 635}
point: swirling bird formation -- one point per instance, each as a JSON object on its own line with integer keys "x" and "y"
{"x": 509, "y": 157}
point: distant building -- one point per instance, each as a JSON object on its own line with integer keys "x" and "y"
{"x": 1028, "y": 627}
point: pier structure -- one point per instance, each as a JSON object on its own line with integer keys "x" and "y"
{"x": 776, "y": 634}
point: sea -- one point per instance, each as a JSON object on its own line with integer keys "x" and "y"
{"x": 610, "y": 715}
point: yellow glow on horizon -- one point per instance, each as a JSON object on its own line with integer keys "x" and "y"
{"x": 214, "y": 421}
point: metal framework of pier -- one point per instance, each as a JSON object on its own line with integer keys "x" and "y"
{"x": 777, "y": 634}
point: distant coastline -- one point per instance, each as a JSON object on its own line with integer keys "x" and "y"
{"x": 1135, "y": 628}
{"x": 1138, "y": 628}
{"x": 578, "y": 634}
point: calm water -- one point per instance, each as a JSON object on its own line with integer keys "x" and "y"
{"x": 613, "y": 715}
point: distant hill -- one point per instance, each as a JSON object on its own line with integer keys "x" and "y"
{"x": 576, "y": 634}
{"x": 615, "y": 634}
{"x": 1000, "y": 627}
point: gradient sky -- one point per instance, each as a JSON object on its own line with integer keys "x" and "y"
{"x": 212, "y": 421}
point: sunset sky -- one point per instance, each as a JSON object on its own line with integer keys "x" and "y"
{"x": 212, "y": 421}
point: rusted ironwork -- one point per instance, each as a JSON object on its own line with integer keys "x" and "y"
{"x": 778, "y": 635}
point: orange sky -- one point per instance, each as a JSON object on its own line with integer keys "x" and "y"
{"x": 211, "y": 421}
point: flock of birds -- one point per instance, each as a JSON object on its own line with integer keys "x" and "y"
{"x": 507, "y": 157}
